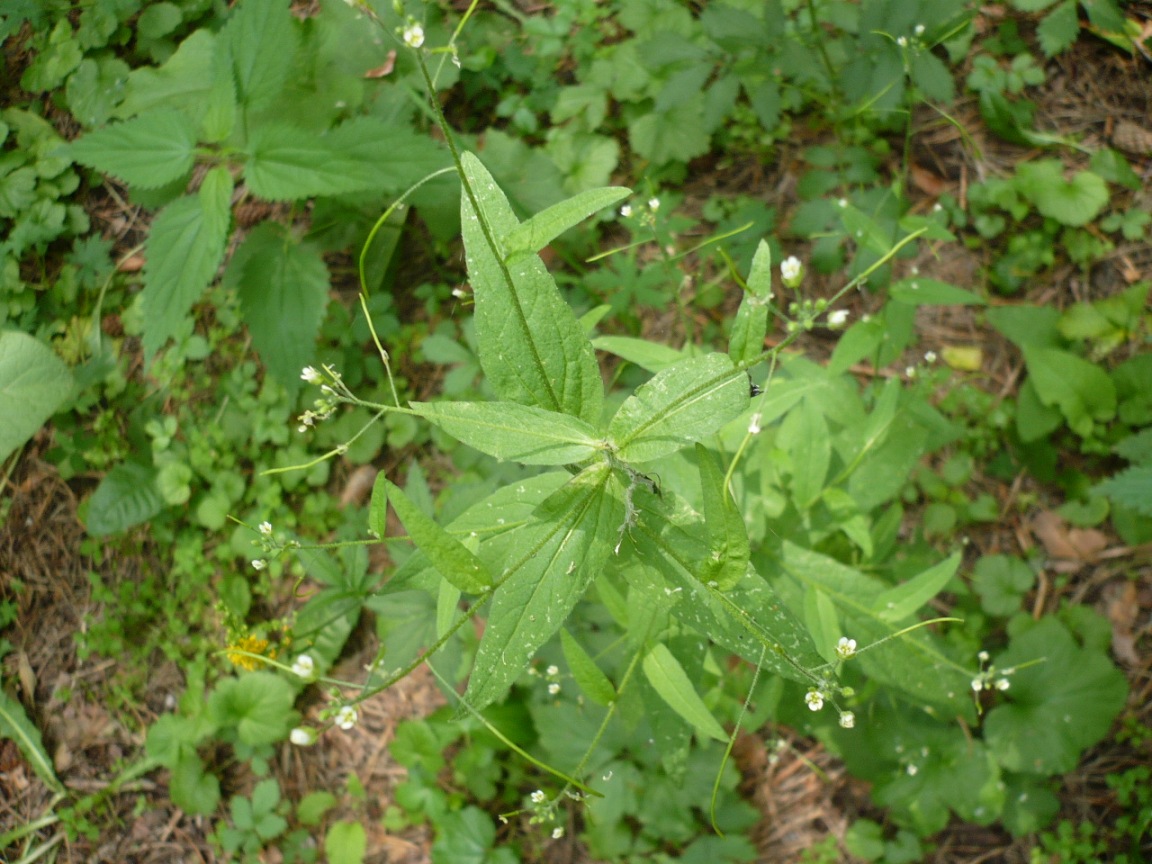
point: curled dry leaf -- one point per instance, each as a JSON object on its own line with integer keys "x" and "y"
{"x": 1074, "y": 546}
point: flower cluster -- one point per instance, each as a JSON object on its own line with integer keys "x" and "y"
{"x": 270, "y": 545}
{"x": 551, "y": 676}
{"x": 991, "y": 678}
{"x": 644, "y": 213}
{"x": 332, "y": 390}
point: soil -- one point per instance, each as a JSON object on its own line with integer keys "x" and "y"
{"x": 1094, "y": 93}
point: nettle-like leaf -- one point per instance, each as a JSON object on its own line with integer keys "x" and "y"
{"x": 679, "y": 406}
{"x": 531, "y": 346}
{"x": 262, "y": 41}
{"x": 554, "y": 561}
{"x": 1131, "y": 488}
{"x": 147, "y": 151}
{"x": 184, "y": 248}
{"x": 283, "y": 287}
{"x": 509, "y": 430}
{"x": 33, "y": 384}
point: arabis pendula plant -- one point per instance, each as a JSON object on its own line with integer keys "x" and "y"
{"x": 259, "y": 563}
{"x": 791, "y": 271}
{"x": 847, "y": 719}
{"x": 845, "y": 648}
{"x": 311, "y": 375}
{"x": 413, "y": 35}
{"x": 837, "y": 318}
{"x": 815, "y": 699}
{"x": 346, "y": 717}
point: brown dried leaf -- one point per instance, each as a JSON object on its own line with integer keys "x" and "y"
{"x": 1081, "y": 545}
{"x": 384, "y": 68}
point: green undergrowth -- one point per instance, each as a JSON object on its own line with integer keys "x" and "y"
{"x": 613, "y": 552}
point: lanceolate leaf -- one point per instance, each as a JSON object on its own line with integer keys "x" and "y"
{"x": 532, "y": 236}
{"x": 283, "y": 287}
{"x": 448, "y": 555}
{"x": 33, "y": 384}
{"x": 183, "y": 251}
{"x": 147, "y": 151}
{"x": 553, "y": 563}
{"x": 681, "y": 405}
{"x": 15, "y": 726}
{"x": 727, "y": 533}
{"x": 898, "y": 603}
{"x": 509, "y": 430}
{"x": 592, "y": 682}
{"x": 669, "y": 679}
{"x": 531, "y": 346}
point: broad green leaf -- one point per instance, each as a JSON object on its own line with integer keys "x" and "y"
{"x": 509, "y": 430}
{"x": 261, "y": 39}
{"x": 15, "y": 726}
{"x": 918, "y": 663}
{"x": 748, "y": 619}
{"x": 193, "y": 789}
{"x": 283, "y": 288}
{"x": 531, "y": 346}
{"x": 865, "y": 231}
{"x": 804, "y": 435}
{"x": 651, "y": 356}
{"x": 147, "y": 151}
{"x": 1056, "y": 708}
{"x": 680, "y": 405}
{"x": 1059, "y": 28}
{"x": 182, "y": 83}
{"x": 727, "y": 534}
{"x": 823, "y": 623}
{"x": 1001, "y": 581}
{"x": 378, "y": 508}
{"x": 530, "y": 237}
{"x": 760, "y": 275}
{"x": 1070, "y": 202}
{"x": 675, "y": 135}
{"x": 1081, "y": 390}
{"x": 345, "y": 843}
{"x": 448, "y": 555}
{"x": 125, "y": 497}
{"x": 932, "y": 292}
{"x": 668, "y": 678}
{"x": 324, "y": 623}
{"x": 749, "y": 327}
{"x": 184, "y": 248}
{"x": 553, "y": 563}
{"x": 257, "y": 704}
{"x": 34, "y": 382}
{"x": 592, "y": 682}
{"x": 900, "y": 602}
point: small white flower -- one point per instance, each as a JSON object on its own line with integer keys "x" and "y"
{"x": 653, "y": 204}
{"x": 845, "y": 648}
{"x": 538, "y": 796}
{"x": 346, "y": 717}
{"x": 266, "y": 529}
{"x": 983, "y": 656}
{"x": 837, "y": 318}
{"x": 790, "y": 268}
{"x": 310, "y": 375}
{"x": 259, "y": 563}
{"x": 902, "y": 41}
{"x": 413, "y": 35}
{"x": 919, "y": 31}
{"x": 552, "y": 671}
{"x": 754, "y": 425}
{"x": 815, "y": 699}
{"x": 847, "y": 719}
{"x": 977, "y": 684}
{"x": 842, "y": 203}
{"x": 626, "y": 210}
{"x": 1003, "y": 684}
{"x": 557, "y": 833}
{"x": 912, "y": 770}
{"x": 304, "y": 667}
{"x": 302, "y": 736}
{"x": 553, "y": 688}
{"x": 929, "y": 356}
{"x": 910, "y": 371}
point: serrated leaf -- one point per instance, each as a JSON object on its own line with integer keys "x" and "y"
{"x": 183, "y": 250}
{"x": 15, "y": 726}
{"x": 530, "y": 237}
{"x": 932, "y": 292}
{"x": 181, "y": 83}
{"x": 1132, "y": 488}
{"x": 555, "y": 561}
{"x": 127, "y": 496}
{"x": 448, "y": 555}
{"x": 592, "y": 682}
{"x": 900, "y": 602}
{"x": 669, "y": 679}
{"x": 509, "y": 430}
{"x": 34, "y": 382}
{"x": 679, "y": 406}
{"x": 262, "y": 43}
{"x": 531, "y": 346}
{"x": 283, "y": 289}
{"x": 1081, "y": 390}
{"x": 1059, "y": 29}
{"x": 147, "y": 151}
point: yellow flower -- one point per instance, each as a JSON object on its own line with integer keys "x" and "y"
{"x": 250, "y": 645}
